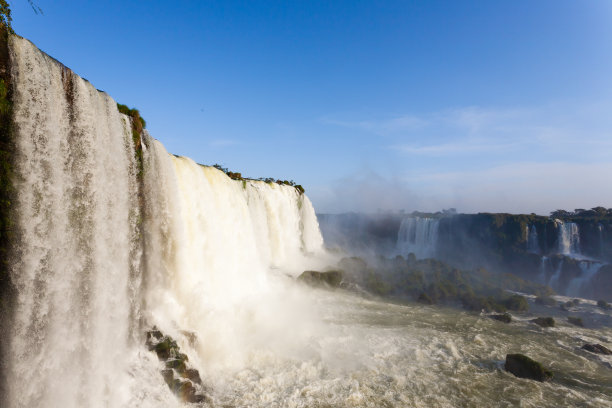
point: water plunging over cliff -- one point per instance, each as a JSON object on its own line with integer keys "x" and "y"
{"x": 104, "y": 252}
{"x": 532, "y": 239}
{"x": 568, "y": 238}
{"x": 419, "y": 236}
{"x": 83, "y": 292}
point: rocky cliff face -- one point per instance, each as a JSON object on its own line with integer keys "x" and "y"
{"x": 566, "y": 253}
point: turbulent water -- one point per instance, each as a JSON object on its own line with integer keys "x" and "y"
{"x": 103, "y": 255}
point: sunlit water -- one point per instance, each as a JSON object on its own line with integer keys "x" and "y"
{"x": 377, "y": 354}
{"x": 102, "y": 256}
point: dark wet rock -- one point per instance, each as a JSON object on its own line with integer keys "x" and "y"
{"x": 524, "y": 367}
{"x": 193, "y": 375}
{"x": 546, "y": 301}
{"x": 168, "y": 375}
{"x": 167, "y": 350}
{"x": 425, "y": 299}
{"x": 544, "y": 321}
{"x": 331, "y": 278}
{"x": 597, "y": 348}
{"x": 177, "y": 364}
{"x": 505, "y": 317}
{"x": 603, "y": 304}
{"x": 576, "y": 321}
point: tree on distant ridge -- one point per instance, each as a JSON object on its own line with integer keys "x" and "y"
{"x": 5, "y": 13}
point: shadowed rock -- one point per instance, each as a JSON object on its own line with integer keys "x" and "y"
{"x": 504, "y": 318}
{"x": 544, "y": 321}
{"x": 331, "y": 279}
{"x": 524, "y": 367}
{"x": 597, "y": 348}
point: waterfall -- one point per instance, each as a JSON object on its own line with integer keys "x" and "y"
{"x": 577, "y": 286}
{"x": 419, "y": 236}
{"x": 553, "y": 282}
{"x": 544, "y": 268}
{"x": 102, "y": 253}
{"x": 568, "y": 238}
{"x": 533, "y": 245}
{"x": 78, "y": 256}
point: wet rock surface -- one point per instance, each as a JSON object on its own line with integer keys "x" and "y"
{"x": 184, "y": 381}
{"x": 524, "y": 367}
{"x": 597, "y": 349}
{"x": 504, "y": 318}
{"x": 544, "y": 321}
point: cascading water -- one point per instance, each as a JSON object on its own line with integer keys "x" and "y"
{"x": 419, "y": 236}
{"x": 568, "y": 238}
{"x": 532, "y": 239}
{"x": 77, "y": 269}
{"x": 577, "y": 286}
{"x": 82, "y": 291}
{"x": 103, "y": 253}
{"x": 211, "y": 242}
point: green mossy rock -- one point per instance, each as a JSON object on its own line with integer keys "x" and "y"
{"x": 330, "y": 279}
{"x": 524, "y": 367}
{"x": 545, "y": 301}
{"x": 504, "y": 318}
{"x": 603, "y": 304}
{"x": 544, "y": 321}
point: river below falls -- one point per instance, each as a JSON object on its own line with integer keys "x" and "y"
{"x": 370, "y": 353}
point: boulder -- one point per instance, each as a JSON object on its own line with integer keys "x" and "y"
{"x": 193, "y": 375}
{"x": 524, "y": 367}
{"x": 168, "y": 375}
{"x": 546, "y": 301}
{"x": 597, "y": 348}
{"x": 504, "y": 318}
{"x": 329, "y": 279}
{"x": 576, "y": 321}
{"x": 165, "y": 348}
{"x": 603, "y": 304}
{"x": 544, "y": 321}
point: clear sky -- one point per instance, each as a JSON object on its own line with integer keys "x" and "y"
{"x": 488, "y": 105}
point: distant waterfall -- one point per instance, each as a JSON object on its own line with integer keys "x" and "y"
{"x": 533, "y": 245}
{"x": 102, "y": 252}
{"x": 577, "y": 285}
{"x": 568, "y": 238}
{"x": 77, "y": 272}
{"x": 419, "y": 236}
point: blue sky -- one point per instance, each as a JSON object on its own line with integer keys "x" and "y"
{"x": 419, "y": 105}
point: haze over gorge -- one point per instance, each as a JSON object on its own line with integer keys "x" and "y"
{"x": 131, "y": 277}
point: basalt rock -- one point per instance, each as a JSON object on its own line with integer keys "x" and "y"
{"x": 544, "y": 321}
{"x": 504, "y": 318}
{"x": 576, "y": 321}
{"x": 185, "y": 382}
{"x": 330, "y": 279}
{"x": 597, "y": 348}
{"x": 524, "y": 367}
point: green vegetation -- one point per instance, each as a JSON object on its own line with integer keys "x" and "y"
{"x": 431, "y": 281}
{"x": 603, "y": 304}
{"x": 138, "y": 125}
{"x": 5, "y": 17}
{"x": 238, "y": 176}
